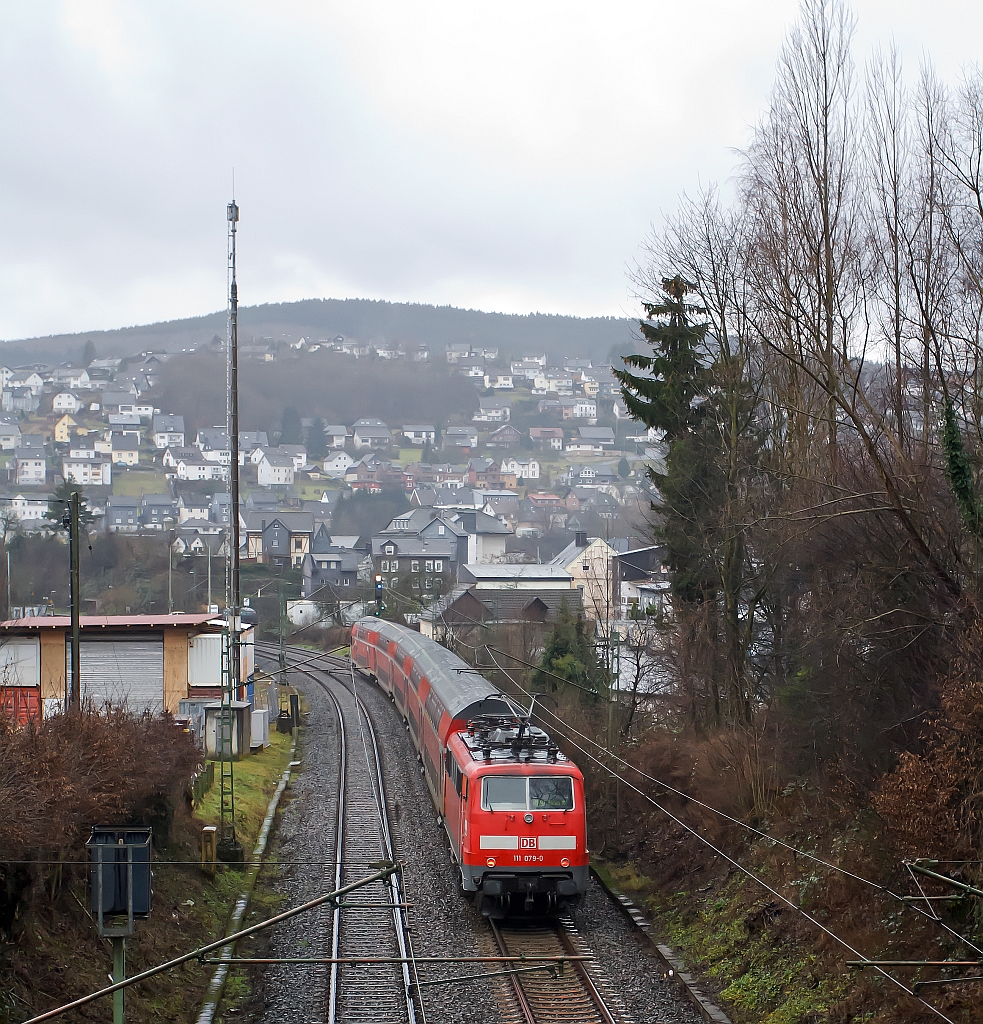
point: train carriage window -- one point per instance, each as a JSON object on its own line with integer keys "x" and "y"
{"x": 454, "y": 773}
{"x": 434, "y": 708}
{"x": 551, "y": 793}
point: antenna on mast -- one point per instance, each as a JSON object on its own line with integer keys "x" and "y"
{"x": 229, "y": 848}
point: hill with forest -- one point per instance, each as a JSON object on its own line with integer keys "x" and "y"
{"x": 365, "y": 320}
{"x": 338, "y": 388}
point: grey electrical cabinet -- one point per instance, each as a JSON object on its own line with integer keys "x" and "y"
{"x": 241, "y": 730}
{"x": 120, "y": 871}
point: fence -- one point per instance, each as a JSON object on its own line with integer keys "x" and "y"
{"x": 201, "y": 782}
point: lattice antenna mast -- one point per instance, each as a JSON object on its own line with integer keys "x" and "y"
{"x": 229, "y": 849}
{"x": 232, "y": 423}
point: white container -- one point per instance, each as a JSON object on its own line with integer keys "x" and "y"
{"x": 260, "y": 736}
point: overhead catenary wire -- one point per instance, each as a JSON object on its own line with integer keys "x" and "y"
{"x": 750, "y": 828}
{"x": 740, "y": 867}
{"x": 758, "y": 880}
{"x": 735, "y": 821}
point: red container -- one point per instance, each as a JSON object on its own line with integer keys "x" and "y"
{"x": 21, "y": 703}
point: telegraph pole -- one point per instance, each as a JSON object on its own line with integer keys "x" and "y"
{"x": 71, "y": 521}
{"x": 282, "y": 602}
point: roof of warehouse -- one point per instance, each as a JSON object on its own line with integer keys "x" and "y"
{"x": 40, "y": 622}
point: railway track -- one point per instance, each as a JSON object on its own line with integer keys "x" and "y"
{"x": 573, "y": 995}
{"x": 372, "y": 922}
{"x": 577, "y": 994}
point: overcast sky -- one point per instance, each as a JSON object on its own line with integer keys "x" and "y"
{"x": 504, "y": 156}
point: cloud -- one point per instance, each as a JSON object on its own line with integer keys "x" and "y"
{"x": 501, "y": 155}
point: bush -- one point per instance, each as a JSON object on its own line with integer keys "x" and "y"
{"x": 70, "y": 772}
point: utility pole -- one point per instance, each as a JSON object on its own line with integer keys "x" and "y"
{"x": 71, "y": 521}
{"x": 170, "y": 567}
{"x": 209, "y": 579}
{"x": 282, "y": 602}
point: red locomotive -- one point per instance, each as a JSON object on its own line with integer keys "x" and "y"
{"x": 512, "y": 804}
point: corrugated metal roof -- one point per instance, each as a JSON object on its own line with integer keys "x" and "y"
{"x": 98, "y": 621}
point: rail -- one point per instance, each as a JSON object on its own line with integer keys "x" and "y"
{"x": 559, "y": 996}
{"x": 362, "y": 834}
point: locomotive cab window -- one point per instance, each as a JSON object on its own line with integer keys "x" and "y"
{"x": 551, "y": 793}
{"x": 522, "y": 793}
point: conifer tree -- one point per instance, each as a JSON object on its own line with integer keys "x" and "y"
{"x": 317, "y": 442}
{"x": 674, "y": 396}
{"x": 570, "y": 655}
{"x": 675, "y": 376}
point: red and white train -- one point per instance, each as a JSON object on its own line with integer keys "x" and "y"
{"x": 512, "y": 804}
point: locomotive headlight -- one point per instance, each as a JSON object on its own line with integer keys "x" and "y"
{"x": 528, "y": 818}
{"x": 564, "y": 862}
{"x": 490, "y": 862}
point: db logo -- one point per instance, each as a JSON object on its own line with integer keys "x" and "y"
{"x": 527, "y": 844}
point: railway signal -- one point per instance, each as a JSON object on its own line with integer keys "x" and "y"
{"x": 378, "y": 594}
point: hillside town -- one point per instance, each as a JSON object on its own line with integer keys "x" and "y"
{"x": 545, "y": 481}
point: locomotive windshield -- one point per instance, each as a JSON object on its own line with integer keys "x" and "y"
{"x": 525, "y": 793}
{"x": 551, "y": 793}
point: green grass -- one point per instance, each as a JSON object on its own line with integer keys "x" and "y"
{"x": 313, "y": 492}
{"x": 137, "y": 482}
{"x": 764, "y": 979}
{"x": 255, "y": 778}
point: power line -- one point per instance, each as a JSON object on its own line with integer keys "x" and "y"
{"x": 755, "y": 878}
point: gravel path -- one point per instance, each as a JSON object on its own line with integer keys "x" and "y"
{"x": 443, "y": 923}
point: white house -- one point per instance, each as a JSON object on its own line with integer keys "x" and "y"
{"x": 584, "y": 448}
{"x": 196, "y": 468}
{"x": 140, "y": 409}
{"x": 275, "y": 470}
{"x": 493, "y": 410}
{"x": 335, "y": 434}
{"x": 9, "y": 436}
{"x": 82, "y": 450}
{"x": 29, "y": 509}
{"x": 297, "y": 452}
{"x": 499, "y": 381}
{"x": 30, "y": 467}
{"x": 527, "y": 469}
{"x": 65, "y": 401}
{"x": 25, "y": 379}
{"x": 335, "y": 465}
{"x": 213, "y": 442}
{"x": 72, "y": 377}
{"x": 169, "y": 431}
{"x": 419, "y": 433}
{"x": 94, "y": 472}
{"x": 526, "y": 370}
{"x": 371, "y": 433}
{"x": 191, "y": 507}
